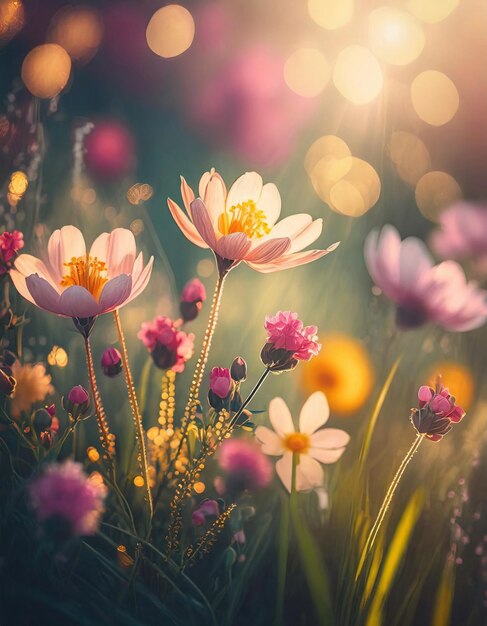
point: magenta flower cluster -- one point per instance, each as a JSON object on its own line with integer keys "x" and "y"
{"x": 64, "y": 492}
{"x": 169, "y": 346}
{"x": 437, "y": 412}
{"x": 10, "y": 244}
{"x": 285, "y": 331}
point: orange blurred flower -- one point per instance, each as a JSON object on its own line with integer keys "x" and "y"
{"x": 456, "y": 378}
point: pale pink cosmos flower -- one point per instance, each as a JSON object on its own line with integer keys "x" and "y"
{"x": 169, "y": 347}
{"x": 422, "y": 291}
{"x": 462, "y": 233}
{"x": 64, "y": 492}
{"x": 74, "y": 282}
{"x": 240, "y": 224}
{"x": 312, "y": 444}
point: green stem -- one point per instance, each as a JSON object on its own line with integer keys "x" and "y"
{"x": 282, "y": 561}
{"x": 250, "y": 397}
{"x": 369, "y": 544}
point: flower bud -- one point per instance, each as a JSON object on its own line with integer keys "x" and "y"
{"x": 277, "y": 359}
{"x": 42, "y": 420}
{"x": 221, "y": 381}
{"x": 164, "y": 357}
{"x": 77, "y": 402}
{"x": 192, "y": 299}
{"x": 111, "y": 362}
{"x": 238, "y": 371}
{"x": 51, "y": 409}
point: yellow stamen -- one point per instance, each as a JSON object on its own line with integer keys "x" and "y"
{"x": 246, "y": 218}
{"x": 87, "y": 272}
{"x": 297, "y": 442}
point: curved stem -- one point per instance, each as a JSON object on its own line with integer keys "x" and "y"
{"x": 386, "y": 502}
{"x": 140, "y": 436}
{"x": 250, "y": 397}
{"x": 105, "y": 437}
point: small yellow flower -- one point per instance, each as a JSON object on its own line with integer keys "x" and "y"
{"x": 343, "y": 371}
{"x": 33, "y": 385}
{"x": 457, "y": 379}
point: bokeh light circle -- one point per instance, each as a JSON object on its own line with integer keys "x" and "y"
{"x": 357, "y": 191}
{"x": 46, "y": 70}
{"x": 109, "y": 151}
{"x": 170, "y": 31}
{"x": 343, "y": 371}
{"x": 432, "y": 11}
{"x": 409, "y": 155}
{"x": 78, "y": 30}
{"x": 358, "y": 75}
{"x": 307, "y": 72}
{"x": 327, "y": 146}
{"x": 395, "y": 36}
{"x": 435, "y": 97}
{"x": 331, "y": 14}
{"x": 436, "y": 191}
{"x": 12, "y": 18}
{"x": 457, "y": 379}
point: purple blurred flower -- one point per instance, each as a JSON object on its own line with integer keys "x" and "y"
{"x": 64, "y": 493}
{"x": 246, "y": 467}
{"x": 423, "y": 292}
{"x": 207, "y": 508}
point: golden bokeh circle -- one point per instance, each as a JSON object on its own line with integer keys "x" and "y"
{"x": 432, "y": 11}
{"x": 358, "y": 75}
{"x": 331, "y": 14}
{"x": 409, "y": 155}
{"x": 435, "y": 97}
{"x": 78, "y": 30}
{"x": 307, "y": 72}
{"x": 170, "y": 31}
{"x": 395, "y": 36}
{"x": 457, "y": 379}
{"x": 46, "y": 70}
{"x": 435, "y": 191}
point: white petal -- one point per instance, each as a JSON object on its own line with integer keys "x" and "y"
{"x": 326, "y": 456}
{"x": 280, "y": 417}
{"x": 64, "y": 244}
{"x": 284, "y": 469}
{"x": 308, "y": 236}
{"x": 315, "y": 413}
{"x": 270, "y": 203}
{"x": 117, "y": 249}
{"x": 329, "y": 438}
{"x": 247, "y": 187}
{"x": 310, "y": 474}
{"x": 269, "y": 441}
{"x": 142, "y": 280}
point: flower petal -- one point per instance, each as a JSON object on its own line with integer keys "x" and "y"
{"x": 280, "y": 417}
{"x": 292, "y": 260}
{"x": 425, "y": 394}
{"x": 315, "y": 413}
{"x": 43, "y": 294}
{"x": 64, "y": 244}
{"x": 269, "y": 441}
{"x": 284, "y": 469}
{"x": 77, "y": 301}
{"x": 270, "y": 250}
{"x": 234, "y": 246}
{"x": 213, "y": 193}
{"x": 186, "y": 226}
{"x": 307, "y": 236}
{"x": 270, "y": 203}
{"x": 115, "y": 293}
{"x": 202, "y": 221}
{"x": 117, "y": 249}
{"x": 309, "y": 473}
{"x": 329, "y": 438}
{"x": 140, "y": 282}
{"x": 326, "y": 456}
{"x": 187, "y": 195}
{"x": 247, "y": 187}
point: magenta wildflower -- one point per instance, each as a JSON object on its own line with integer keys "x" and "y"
{"x": 192, "y": 298}
{"x": 207, "y": 508}
{"x": 288, "y": 341}
{"x": 423, "y": 292}
{"x": 63, "y": 493}
{"x": 77, "y": 402}
{"x": 10, "y": 243}
{"x": 169, "y": 347}
{"x": 436, "y": 413}
{"x": 246, "y": 467}
{"x": 111, "y": 362}
{"x": 220, "y": 381}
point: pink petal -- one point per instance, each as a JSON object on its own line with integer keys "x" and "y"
{"x": 457, "y": 414}
{"x": 202, "y": 221}
{"x": 117, "y": 249}
{"x": 43, "y": 294}
{"x": 425, "y": 394}
{"x": 63, "y": 245}
{"x": 77, "y": 301}
{"x": 292, "y": 260}
{"x": 27, "y": 264}
{"x": 269, "y": 251}
{"x": 115, "y": 293}
{"x": 284, "y": 468}
{"x": 187, "y": 195}
{"x": 234, "y": 246}
{"x": 141, "y": 282}
{"x": 18, "y": 280}
{"x": 291, "y": 226}
{"x": 187, "y": 227}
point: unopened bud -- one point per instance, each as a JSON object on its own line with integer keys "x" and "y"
{"x": 238, "y": 370}
{"x": 111, "y": 362}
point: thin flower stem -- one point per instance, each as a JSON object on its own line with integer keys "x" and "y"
{"x": 369, "y": 544}
{"x": 249, "y": 398}
{"x": 105, "y": 437}
{"x": 140, "y": 435}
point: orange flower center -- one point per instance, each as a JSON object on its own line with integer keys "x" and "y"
{"x": 246, "y": 218}
{"x": 87, "y": 272}
{"x": 297, "y": 442}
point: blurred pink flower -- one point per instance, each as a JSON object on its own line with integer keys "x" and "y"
{"x": 240, "y": 225}
{"x": 64, "y": 492}
{"x": 10, "y": 243}
{"x": 109, "y": 150}
{"x": 312, "y": 446}
{"x": 170, "y": 347}
{"x": 207, "y": 508}
{"x": 79, "y": 284}
{"x": 462, "y": 232}
{"x": 220, "y": 381}
{"x": 245, "y": 465}
{"x": 194, "y": 291}
{"x": 246, "y": 107}
{"x": 437, "y": 411}
{"x": 422, "y": 291}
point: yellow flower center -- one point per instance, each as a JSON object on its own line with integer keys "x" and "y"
{"x": 297, "y": 442}
{"x": 87, "y": 272}
{"x": 246, "y": 218}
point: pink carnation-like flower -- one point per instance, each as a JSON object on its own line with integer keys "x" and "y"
{"x": 437, "y": 412}
{"x": 64, "y": 492}
{"x": 422, "y": 291}
{"x": 220, "y": 381}
{"x": 286, "y": 331}
{"x": 10, "y": 244}
{"x": 170, "y": 347}
{"x": 245, "y": 465}
{"x": 462, "y": 233}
